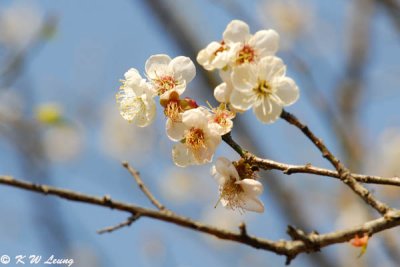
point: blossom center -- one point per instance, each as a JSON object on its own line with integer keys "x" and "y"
{"x": 263, "y": 89}
{"x": 195, "y": 138}
{"x": 246, "y": 55}
{"x": 230, "y": 191}
{"x": 165, "y": 84}
{"x": 173, "y": 110}
{"x": 220, "y": 49}
{"x": 221, "y": 117}
{"x": 131, "y": 107}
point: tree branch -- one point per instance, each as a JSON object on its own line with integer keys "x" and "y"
{"x": 344, "y": 173}
{"x": 143, "y": 187}
{"x": 282, "y": 247}
{"x": 288, "y": 169}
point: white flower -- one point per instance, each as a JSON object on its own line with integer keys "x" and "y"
{"x": 135, "y": 99}
{"x": 198, "y": 139}
{"x": 252, "y": 48}
{"x": 264, "y": 87}
{"x": 168, "y": 75}
{"x": 221, "y": 119}
{"x": 216, "y": 55}
{"x": 236, "y": 193}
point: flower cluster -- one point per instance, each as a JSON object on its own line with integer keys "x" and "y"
{"x": 253, "y": 77}
{"x": 196, "y": 129}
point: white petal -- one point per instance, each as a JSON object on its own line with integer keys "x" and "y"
{"x": 195, "y": 118}
{"x": 146, "y": 117}
{"x": 270, "y": 68}
{"x": 267, "y": 111}
{"x": 286, "y": 90}
{"x": 252, "y": 204}
{"x": 175, "y": 130}
{"x": 242, "y": 101}
{"x": 183, "y": 68}
{"x": 222, "y": 93}
{"x": 251, "y": 187}
{"x": 225, "y": 168}
{"x": 236, "y": 31}
{"x": 226, "y": 75}
{"x": 181, "y": 155}
{"x": 156, "y": 65}
{"x": 266, "y": 42}
{"x": 244, "y": 77}
{"x": 133, "y": 77}
{"x": 206, "y": 55}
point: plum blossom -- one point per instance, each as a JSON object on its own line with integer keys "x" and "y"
{"x": 221, "y": 119}
{"x": 238, "y": 46}
{"x": 236, "y": 193}
{"x": 198, "y": 139}
{"x": 173, "y": 110}
{"x": 169, "y": 75}
{"x": 216, "y": 55}
{"x": 135, "y": 99}
{"x": 252, "y": 48}
{"x": 263, "y": 87}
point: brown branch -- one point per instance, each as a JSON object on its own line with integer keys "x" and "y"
{"x": 282, "y": 247}
{"x": 143, "y": 187}
{"x": 113, "y": 228}
{"x": 344, "y": 173}
{"x": 288, "y": 169}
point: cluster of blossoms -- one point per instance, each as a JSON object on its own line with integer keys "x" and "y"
{"x": 252, "y": 78}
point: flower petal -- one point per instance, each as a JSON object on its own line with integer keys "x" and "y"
{"x": 132, "y": 77}
{"x": 267, "y": 111}
{"x": 147, "y": 116}
{"x": 286, "y": 90}
{"x": 242, "y": 101}
{"x": 222, "y": 93}
{"x": 195, "y": 118}
{"x": 271, "y": 67}
{"x": 175, "y": 130}
{"x": 266, "y": 42}
{"x": 244, "y": 77}
{"x": 252, "y": 204}
{"x": 181, "y": 155}
{"x": 251, "y": 187}
{"x": 183, "y": 68}
{"x": 156, "y": 65}
{"x": 236, "y": 31}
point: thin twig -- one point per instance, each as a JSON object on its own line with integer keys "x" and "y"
{"x": 143, "y": 187}
{"x": 344, "y": 173}
{"x": 268, "y": 164}
{"x": 282, "y": 247}
{"x": 126, "y": 223}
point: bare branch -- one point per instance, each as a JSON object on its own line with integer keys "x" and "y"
{"x": 344, "y": 173}
{"x": 143, "y": 187}
{"x": 288, "y": 169}
{"x": 126, "y": 223}
{"x": 282, "y": 247}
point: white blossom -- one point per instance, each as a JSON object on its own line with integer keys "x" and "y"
{"x": 198, "y": 139}
{"x": 168, "y": 75}
{"x": 263, "y": 87}
{"x": 234, "y": 192}
{"x": 135, "y": 99}
{"x": 252, "y": 48}
{"x": 221, "y": 119}
{"x": 216, "y": 55}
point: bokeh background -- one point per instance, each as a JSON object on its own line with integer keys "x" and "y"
{"x": 60, "y": 65}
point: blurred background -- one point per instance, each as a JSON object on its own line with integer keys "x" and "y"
{"x": 60, "y": 66}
